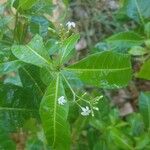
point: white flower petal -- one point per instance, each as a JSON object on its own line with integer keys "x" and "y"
{"x": 85, "y": 111}
{"x": 70, "y": 25}
{"x": 61, "y": 100}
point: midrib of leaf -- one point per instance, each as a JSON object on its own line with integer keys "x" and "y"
{"x": 16, "y": 109}
{"x": 133, "y": 41}
{"x": 66, "y": 49}
{"x": 90, "y": 70}
{"x": 139, "y": 12}
{"x": 55, "y": 109}
{"x": 38, "y": 55}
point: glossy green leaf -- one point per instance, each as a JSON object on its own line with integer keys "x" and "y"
{"x": 144, "y": 105}
{"x": 144, "y": 72}
{"x": 137, "y": 10}
{"x": 124, "y": 40}
{"x": 33, "y": 53}
{"x": 16, "y": 105}
{"x": 68, "y": 46}
{"x": 39, "y": 25}
{"x": 143, "y": 142}
{"x": 54, "y": 116}
{"x": 26, "y": 4}
{"x": 41, "y": 7}
{"x": 106, "y": 69}
{"x": 7, "y": 67}
{"x": 52, "y": 46}
{"x": 46, "y": 75}
{"x": 138, "y": 51}
{"x": 121, "y": 140}
{"x": 30, "y": 78}
{"x": 147, "y": 29}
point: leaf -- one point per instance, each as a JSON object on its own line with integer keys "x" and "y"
{"x": 106, "y": 69}
{"x": 144, "y": 106}
{"x": 4, "y": 21}
{"x": 39, "y": 25}
{"x": 5, "y": 141}
{"x": 124, "y": 40}
{"x": 16, "y": 105}
{"x": 7, "y": 67}
{"x": 33, "y": 53}
{"x": 147, "y": 29}
{"x": 42, "y": 7}
{"x": 52, "y": 46}
{"x": 68, "y": 46}
{"x": 46, "y": 75}
{"x": 121, "y": 140}
{"x": 143, "y": 142}
{"x": 138, "y": 51}
{"x": 34, "y": 87}
{"x": 144, "y": 72}
{"x": 26, "y": 4}
{"x": 137, "y": 10}
{"x": 54, "y": 116}
{"x": 136, "y": 123}
{"x": 13, "y": 78}
{"x": 147, "y": 43}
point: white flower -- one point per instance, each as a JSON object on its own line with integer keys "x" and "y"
{"x": 85, "y": 111}
{"x": 70, "y": 25}
{"x": 61, "y": 100}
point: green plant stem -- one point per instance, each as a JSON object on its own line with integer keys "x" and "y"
{"x": 75, "y": 95}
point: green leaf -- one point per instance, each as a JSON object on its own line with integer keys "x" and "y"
{"x": 137, "y": 10}
{"x": 138, "y": 51}
{"x": 136, "y": 123}
{"x": 46, "y": 75}
{"x": 106, "y": 69}
{"x": 7, "y": 67}
{"x": 52, "y": 46}
{"x": 144, "y": 73}
{"x": 16, "y": 105}
{"x": 26, "y": 4}
{"x": 124, "y": 40}
{"x": 5, "y": 141}
{"x": 33, "y": 53}
{"x": 144, "y": 105}
{"x": 4, "y": 21}
{"x": 30, "y": 78}
{"x": 147, "y": 43}
{"x": 13, "y": 78}
{"x": 143, "y": 142}
{"x": 68, "y": 46}
{"x": 39, "y": 25}
{"x": 121, "y": 140}
{"x": 147, "y": 29}
{"x": 54, "y": 116}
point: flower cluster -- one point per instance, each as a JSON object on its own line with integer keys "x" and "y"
{"x": 85, "y": 110}
{"x": 70, "y": 25}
